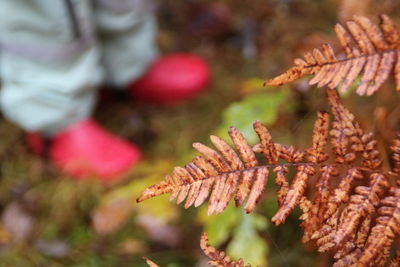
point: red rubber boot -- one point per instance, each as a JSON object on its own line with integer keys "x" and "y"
{"x": 172, "y": 79}
{"x": 87, "y": 150}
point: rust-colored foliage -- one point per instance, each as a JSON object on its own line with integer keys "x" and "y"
{"x": 371, "y": 50}
{"x": 222, "y": 173}
{"x": 218, "y": 258}
{"x": 353, "y": 211}
{"x": 384, "y": 232}
{"x": 338, "y": 218}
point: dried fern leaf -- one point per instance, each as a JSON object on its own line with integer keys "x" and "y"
{"x": 267, "y": 146}
{"x": 370, "y": 51}
{"x": 362, "y": 204}
{"x": 316, "y": 153}
{"x": 218, "y": 258}
{"x": 281, "y": 181}
{"x": 234, "y": 172}
{"x": 349, "y": 259}
{"x": 363, "y": 232}
{"x": 387, "y": 228}
{"x": 341, "y": 194}
{"x": 289, "y": 153}
{"x": 294, "y": 194}
{"x": 395, "y": 148}
{"x": 319, "y": 205}
{"x": 353, "y": 248}
{"x": 221, "y": 174}
{"x": 347, "y": 141}
{"x": 347, "y": 131}
{"x": 337, "y": 218}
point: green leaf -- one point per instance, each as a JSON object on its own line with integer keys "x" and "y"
{"x": 253, "y": 85}
{"x": 260, "y": 106}
{"x": 219, "y": 227}
{"x": 246, "y": 242}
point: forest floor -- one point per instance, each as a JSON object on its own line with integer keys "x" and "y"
{"x": 48, "y": 219}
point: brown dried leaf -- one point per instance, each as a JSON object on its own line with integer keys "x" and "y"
{"x": 395, "y": 148}
{"x": 376, "y": 51}
{"x": 222, "y": 173}
{"x": 245, "y": 151}
{"x": 338, "y": 216}
{"x": 295, "y": 193}
{"x": 267, "y": 146}
{"x": 390, "y": 31}
{"x": 258, "y": 188}
{"x": 316, "y": 153}
{"x": 362, "y": 204}
{"x": 383, "y": 233}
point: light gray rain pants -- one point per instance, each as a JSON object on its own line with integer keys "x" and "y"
{"x": 54, "y": 54}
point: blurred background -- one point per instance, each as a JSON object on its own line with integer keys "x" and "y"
{"x": 49, "y": 220}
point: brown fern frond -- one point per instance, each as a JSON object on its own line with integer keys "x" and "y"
{"x": 395, "y": 148}
{"x": 341, "y": 194}
{"x": 352, "y": 211}
{"x": 353, "y": 248}
{"x": 382, "y": 235}
{"x": 370, "y": 51}
{"x": 222, "y": 173}
{"x": 348, "y": 212}
{"x": 316, "y": 153}
{"x": 348, "y": 131}
{"x": 294, "y": 194}
{"x": 218, "y": 258}
{"x": 318, "y": 208}
{"x": 362, "y": 204}
{"x": 348, "y": 142}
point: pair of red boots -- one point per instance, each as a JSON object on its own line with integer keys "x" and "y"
{"x": 85, "y": 149}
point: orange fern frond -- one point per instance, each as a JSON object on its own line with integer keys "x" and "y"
{"x": 382, "y": 235}
{"x": 367, "y": 242}
{"x": 362, "y": 204}
{"x": 353, "y": 211}
{"x": 395, "y": 148}
{"x": 223, "y": 173}
{"x": 349, "y": 253}
{"x": 369, "y": 50}
{"x": 217, "y": 173}
{"x": 218, "y": 258}
{"x": 347, "y": 131}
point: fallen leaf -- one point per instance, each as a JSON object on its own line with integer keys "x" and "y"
{"x": 17, "y": 222}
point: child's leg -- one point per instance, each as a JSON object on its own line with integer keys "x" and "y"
{"x": 126, "y": 30}
{"x": 49, "y": 68}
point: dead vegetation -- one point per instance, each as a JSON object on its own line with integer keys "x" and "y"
{"x": 353, "y": 208}
{"x": 370, "y": 51}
